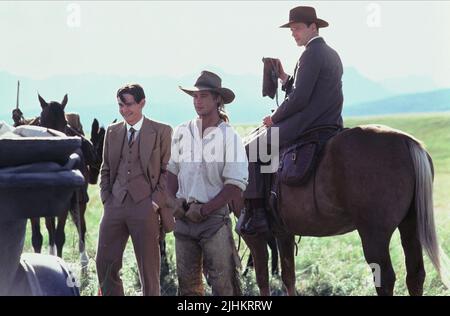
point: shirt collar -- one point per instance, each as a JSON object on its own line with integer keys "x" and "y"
{"x": 136, "y": 126}
{"x": 312, "y": 39}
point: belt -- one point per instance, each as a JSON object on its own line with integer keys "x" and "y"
{"x": 187, "y": 205}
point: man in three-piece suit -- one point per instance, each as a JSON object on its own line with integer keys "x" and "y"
{"x": 314, "y": 98}
{"x": 135, "y": 156}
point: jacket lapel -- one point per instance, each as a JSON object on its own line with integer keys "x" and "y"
{"x": 147, "y": 137}
{"x": 118, "y": 140}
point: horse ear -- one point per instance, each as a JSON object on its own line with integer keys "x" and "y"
{"x": 42, "y": 102}
{"x": 101, "y": 133}
{"x": 64, "y": 102}
{"x": 94, "y": 129}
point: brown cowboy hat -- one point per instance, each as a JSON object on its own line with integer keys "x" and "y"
{"x": 304, "y": 14}
{"x": 209, "y": 81}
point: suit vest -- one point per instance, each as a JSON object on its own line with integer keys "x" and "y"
{"x": 130, "y": 176}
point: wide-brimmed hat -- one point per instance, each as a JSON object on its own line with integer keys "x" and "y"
{"x": 305, "y": 15}
{"x": 209, "y": 81}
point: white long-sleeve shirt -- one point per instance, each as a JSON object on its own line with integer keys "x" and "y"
{"x": 205, "y": 165}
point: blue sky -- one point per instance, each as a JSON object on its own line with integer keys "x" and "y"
{"x": 383, "y": 40}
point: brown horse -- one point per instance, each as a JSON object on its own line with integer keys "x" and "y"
{"x": 372, "y": 179}
{"x": 53, "y": 116}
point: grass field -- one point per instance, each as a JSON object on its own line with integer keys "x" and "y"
{"x": 325, "y": 266}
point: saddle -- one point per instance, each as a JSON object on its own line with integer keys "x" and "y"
{"x": 299, "y": 160}
{"x": 73, "y": 120}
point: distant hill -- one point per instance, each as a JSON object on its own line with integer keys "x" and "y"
{"x": 433, "y": 101}
{"x": 358, "y": 89}
{"x": 93, "y": 96}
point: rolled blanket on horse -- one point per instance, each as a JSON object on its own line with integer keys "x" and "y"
{"x": 14, "y": 152}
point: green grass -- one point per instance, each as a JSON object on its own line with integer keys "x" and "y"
{"x": 324, "y": 266}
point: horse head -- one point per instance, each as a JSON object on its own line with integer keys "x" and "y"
{"x": 52, "y": 115}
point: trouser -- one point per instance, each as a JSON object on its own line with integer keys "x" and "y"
{"x": 119, "y": 221}
{"x": 219, "y": 255}
{"x": 263, "y": 161}
{"x": 256, "y": 182}
{"x": 263, "y": 156}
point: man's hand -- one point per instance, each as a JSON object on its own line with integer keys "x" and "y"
{"x": 281, "y": 74}
{"x": 267, "y": 121}
{"x": 177, "y": 206}
{"x": 194, "y": 214}
{"x": 17, "y": 115}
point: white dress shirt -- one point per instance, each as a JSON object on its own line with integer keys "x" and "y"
{"x": 137, "y": 127}
{"x": 204, "y": 165}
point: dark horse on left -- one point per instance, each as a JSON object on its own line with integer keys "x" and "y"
{"x": 54, "y": 117}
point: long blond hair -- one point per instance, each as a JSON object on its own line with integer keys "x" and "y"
{"x": 221, "y": 107}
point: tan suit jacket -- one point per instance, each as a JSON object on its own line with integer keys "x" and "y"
{"x": 154, "y": 152}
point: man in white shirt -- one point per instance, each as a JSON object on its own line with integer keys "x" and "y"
{"x": 207, "y": 170}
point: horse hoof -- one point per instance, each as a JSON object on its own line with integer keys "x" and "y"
{"x": 52, "y": 250}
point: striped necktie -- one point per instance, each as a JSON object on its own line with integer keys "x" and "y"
{"x": 131, "y": 139}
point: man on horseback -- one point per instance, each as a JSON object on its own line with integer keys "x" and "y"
{"x": 207, "y": 170}
{"x": 313, "y": 98}
{"x": 135, "y": 156}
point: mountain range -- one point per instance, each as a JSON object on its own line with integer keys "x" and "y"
{"x": 93, "y": 95}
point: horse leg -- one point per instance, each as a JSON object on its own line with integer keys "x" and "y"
{"x": 415, "y": 270}
{"x": 250, "y": 265}
{"x": 78, "y": 210}
{"x": 60, "y": 236}
{"x": 36, "y": 236}
{"x": 286, "y": 248}
{"x": 258, "y": 248}
{"x": 84, "y": 259}
{"x": 50, "y": 224}
{"x": 164, "y": 260}
{"x": 272, "y": 242}
{"x": 376, "y": 251}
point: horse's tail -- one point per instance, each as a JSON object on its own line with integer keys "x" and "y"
{"x": 423, "y": 203}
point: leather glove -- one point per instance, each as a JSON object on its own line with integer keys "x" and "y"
{"x": 194, "y": 213}
{"x": 177, "y": 206}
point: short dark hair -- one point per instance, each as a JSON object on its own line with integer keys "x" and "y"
{"x": 308, "y": 24}
{"x": 134, "y": 89}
